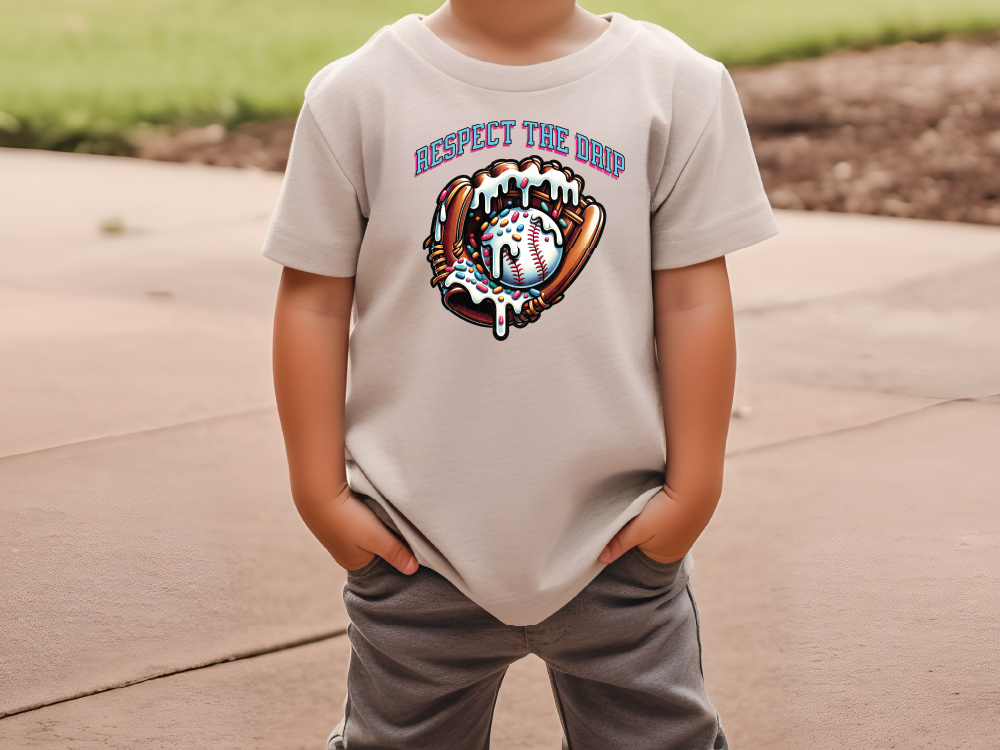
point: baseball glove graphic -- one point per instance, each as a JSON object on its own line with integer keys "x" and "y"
{"x": 507, "y": 243}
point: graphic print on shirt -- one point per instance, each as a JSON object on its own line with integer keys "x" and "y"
{"x": 507, "y": 243}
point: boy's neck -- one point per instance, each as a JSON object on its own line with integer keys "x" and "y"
{"x": 515, "y": 32}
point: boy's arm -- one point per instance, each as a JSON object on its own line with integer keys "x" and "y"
{"x": 312, "y": 322}
{"x": 696, "y": 345}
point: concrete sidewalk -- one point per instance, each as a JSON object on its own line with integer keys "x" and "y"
{"x": 847, "y": 584}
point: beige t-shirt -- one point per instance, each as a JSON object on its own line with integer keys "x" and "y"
{"x": 503, "y": 224}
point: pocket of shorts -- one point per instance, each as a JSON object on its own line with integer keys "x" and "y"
{"x": 656, "y": 564}
{"x": 646, "y": 574}
{"x": 368, "y": 567}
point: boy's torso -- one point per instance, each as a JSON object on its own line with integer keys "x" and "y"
{"x": 504, "y": 405}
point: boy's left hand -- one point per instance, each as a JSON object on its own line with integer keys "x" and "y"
{"x": 664, "y": 531}
{"x": 696, "y": 355}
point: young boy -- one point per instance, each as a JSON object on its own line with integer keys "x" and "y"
{"x": 526, "y": 207}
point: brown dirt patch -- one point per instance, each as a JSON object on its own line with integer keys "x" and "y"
{"x": 259, "y": 145}
{"x": 908, "y": 130}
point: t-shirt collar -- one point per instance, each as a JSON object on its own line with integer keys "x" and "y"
{"x": 538, "y": 77}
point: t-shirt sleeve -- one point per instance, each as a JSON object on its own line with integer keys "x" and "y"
{"x": 318, "y": 224}
{"x": 717, "y": 203}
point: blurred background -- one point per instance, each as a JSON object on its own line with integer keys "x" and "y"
{"x": 220, "y": 81}
{"x": 159, "y": 590}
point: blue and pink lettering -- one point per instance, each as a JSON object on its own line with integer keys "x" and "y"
{"x": 599, "y": 156}
{"x": 450, "y": 150}
{"x": 560, "y": 141}
{"x": 491, "y": 141}
{"x": 541, "y": 135}
{"x": 619, "y": 165}
{"x": 436, "y": 159}
{"x": 596, "y": 155}
{"x": 478, "y": 144}
{"x": 464, "y": 137}
{"x": 531, "y": 127}
{"x": 545, "y": 137}
{"x": 420, "y": 159}
{"x": 507, "y": 125}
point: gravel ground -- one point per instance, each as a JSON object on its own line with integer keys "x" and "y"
{"x": 908, "y": 130}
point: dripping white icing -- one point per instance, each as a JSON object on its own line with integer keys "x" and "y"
{"x": 566, "y": 190}
{"x": 439, "y": 220}
{"x": 501, "y": 240}
{"x": 500, "y": 309}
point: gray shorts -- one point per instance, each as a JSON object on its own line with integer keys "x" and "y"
{"x": 624, "y": 661}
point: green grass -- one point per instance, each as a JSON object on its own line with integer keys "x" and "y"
{"x": 79, "y": 73}
{"x": 742, "y": 32}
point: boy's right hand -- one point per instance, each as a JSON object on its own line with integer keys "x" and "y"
{"x": 312, "y": 324}
{"x": 353, "y": 534}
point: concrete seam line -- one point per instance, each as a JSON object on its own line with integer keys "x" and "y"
{"x": 239, "y": 656}
{"x": 982, "y": 400}
{"x": 162, "y": 428}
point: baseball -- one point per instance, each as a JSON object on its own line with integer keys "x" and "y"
{"x": 524, "y": 247}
